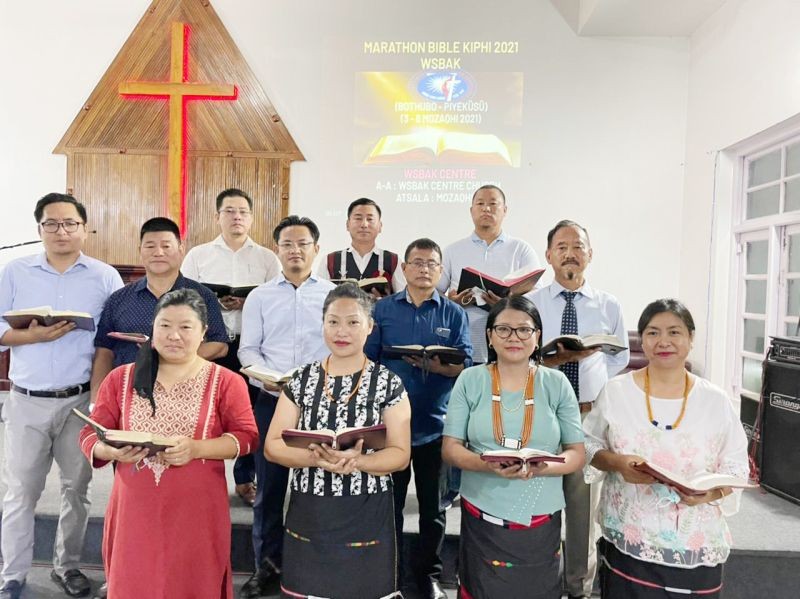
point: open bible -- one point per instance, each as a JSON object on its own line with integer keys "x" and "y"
{"x": 226, "y": 290}
{"x": 130, "y": 337}
{"x": 447, "y": 355}
{"x": 516, "y": 283}
{"x": 374, "y": 437}
{"x": 608, "y": 344}
{"x": 699, "y": 484}
{"x": 46, "y": 316}
{"x": 432, "y": 145}
{"x": 525, "y": 456}
{"x": 381, "y": 284}
{"x": 265, "y": 375}
{"x": 118, "y": 438}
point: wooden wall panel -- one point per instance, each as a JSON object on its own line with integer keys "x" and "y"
{"x": 263, "y": 179}
{"x": 120, "y": 192}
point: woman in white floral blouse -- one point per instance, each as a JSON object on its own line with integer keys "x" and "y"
{"x": 657, "y": 541}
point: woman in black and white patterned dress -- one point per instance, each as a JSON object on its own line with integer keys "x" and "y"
{"x": 339, "y": 540}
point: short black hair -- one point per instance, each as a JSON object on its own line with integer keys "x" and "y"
{"x": 296, "y": 221}
{"x": 349, "y": 290}
{"x": 159, "y": 223}
{"x": 422, "y": 244}
{"x": 184, "y": 297}
{"x": 562, "y": 224}
{"x": 523, "y": 304}
{"x": 489, "y": 186}
{"x": 233, "y": 193}
{"x": 662, "y": 305}
{"x": 53, "y": 198}
{"x": 363, "y": 202}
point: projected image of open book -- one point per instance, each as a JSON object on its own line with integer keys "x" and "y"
{"x": 433, "y": 145}
{"x": 699, "y": 484}
{"x": 119, "y": 438}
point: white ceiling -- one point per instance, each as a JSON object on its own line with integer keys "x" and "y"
{"x": 646, "y": 18}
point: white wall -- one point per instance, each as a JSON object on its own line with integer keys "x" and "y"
{"x": 603, "y": 123}
{"x": 744, "y": 77}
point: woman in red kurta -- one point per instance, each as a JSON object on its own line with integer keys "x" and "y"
{"x": 167, "y": 529}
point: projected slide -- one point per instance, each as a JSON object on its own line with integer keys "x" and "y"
{"x": 433, "y": 120}
{"x": 453, "y": 118}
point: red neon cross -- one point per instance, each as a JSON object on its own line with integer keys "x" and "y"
{"x": 178, "y": 91}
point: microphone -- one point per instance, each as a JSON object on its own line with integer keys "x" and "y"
{"x": 16, "y": 245}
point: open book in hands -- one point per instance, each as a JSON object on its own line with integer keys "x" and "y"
{"x": 699, "y": 484}
{"x": 130, "y": 337}
{"x": 380, "y": 284}
{"x": 118, "y": 438}
{"x": 446, "y": 355}
{"x": 265, "y": 375}
{"x": 516, "y": 283}
{"x": 525, "y": 456}
{"x": 607, "y": 344}
{"x": 46, "y": 316}
{"x": 374, "y": 437}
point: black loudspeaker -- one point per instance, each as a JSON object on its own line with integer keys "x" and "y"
{"x": 780, "y": 430}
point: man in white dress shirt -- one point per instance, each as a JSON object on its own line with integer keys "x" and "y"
{"x": 570, "y": 306}
{"x": 234, "y": 259}
{"x": 363, "y": 259}
{"x": 491, "y": 251}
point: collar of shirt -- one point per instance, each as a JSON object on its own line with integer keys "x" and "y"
{"x": 41, "y": 262}
{"x": 281, "y": 278}
{"x": 556, "y": 289}
{"x": 375, "y": 250}
{"x": 404, "y": 296}
{"x": 500, "y": 239}
{"x": 220, "y": 241}
{"x": 141, "y": 284}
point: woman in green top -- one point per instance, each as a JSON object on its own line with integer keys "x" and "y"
{"x": 510, "y": 513}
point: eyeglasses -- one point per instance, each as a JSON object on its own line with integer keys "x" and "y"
{"x": 289, "y": 245}
{"x": 420, "y": 264}
{"x": 52, "y": 226}
{"x": 233, "y": 212}
{"x": 504, "y": 332}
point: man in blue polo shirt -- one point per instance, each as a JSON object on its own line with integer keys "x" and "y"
{"x": 50, "y": 368}
{"x": 420, "y": 315}
{"x": 130, "y": 310}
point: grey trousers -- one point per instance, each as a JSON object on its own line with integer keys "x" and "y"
{"x": 580, "y": 549}
{"x": 38, "y": 429}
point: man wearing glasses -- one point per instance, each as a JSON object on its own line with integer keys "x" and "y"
{"x": 50, "y": 371}
{"x": 281, "y": 330}
{"x": 234, "y": 259}
{"x": 420, "y": 315}
{"x": 570, "y": 306}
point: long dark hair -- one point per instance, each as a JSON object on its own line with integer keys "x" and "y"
{"x": 523, "y": 304}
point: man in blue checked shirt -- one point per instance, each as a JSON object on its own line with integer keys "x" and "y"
{"x": 420, "y": 315}
{"x": 50, "y": 370}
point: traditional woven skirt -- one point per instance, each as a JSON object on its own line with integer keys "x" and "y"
{"x": 625, "y": 577}
{"x": 340, "y": 547}
{"x": 501, "y": 559}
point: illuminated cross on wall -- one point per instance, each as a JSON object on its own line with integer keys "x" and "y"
{"x": 178, "y": 91}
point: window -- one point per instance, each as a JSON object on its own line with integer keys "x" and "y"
{"x": 767, "y": 235}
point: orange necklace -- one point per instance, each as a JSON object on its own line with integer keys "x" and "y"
{"x": 497, "y": 413}
{"x": 653, "y": 421}
{"x": 355, "y": 387}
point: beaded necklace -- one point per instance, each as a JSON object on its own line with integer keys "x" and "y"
{"x": 653, "y": 421}
{"x": 497, "y": 410}
{"x": 355, "y": 387}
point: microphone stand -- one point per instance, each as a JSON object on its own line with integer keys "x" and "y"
{"x": 16, "y": 245}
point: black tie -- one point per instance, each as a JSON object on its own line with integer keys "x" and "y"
{"x": 569, "y": 326}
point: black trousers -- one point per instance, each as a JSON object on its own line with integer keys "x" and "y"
{"x": 426, "y": 460}
{"x": 270, "y": 493}
{"x": 244, "y": 469}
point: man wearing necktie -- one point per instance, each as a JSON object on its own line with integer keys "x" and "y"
{"x": 569, "y": 306}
